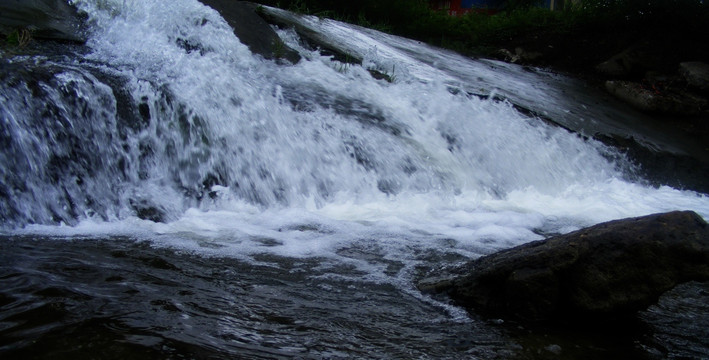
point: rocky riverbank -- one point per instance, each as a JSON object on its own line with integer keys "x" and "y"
{"x": 658, "y": 72}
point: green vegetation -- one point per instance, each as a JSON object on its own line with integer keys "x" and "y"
{"x": 18, "y": 38}
{"x": 279, "y": 48}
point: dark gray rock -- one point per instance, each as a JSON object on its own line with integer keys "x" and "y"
{"x": 252, "y": 30}
{"x": 633, "y": 94}
{"x": 696, "y": 74}
{"x": 679, "y": 323}
{"x": 626, "y": 63}
{"x": 635, "y": 61}
{"x": 651, "y": 100}
{"x": 327, "y": 46}
{"x": 606, "y": 271}
{"x": 48, "y": 19}
{"x": 520, "y": 56}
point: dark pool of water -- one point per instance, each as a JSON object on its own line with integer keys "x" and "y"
{"x": 125, "y": 299}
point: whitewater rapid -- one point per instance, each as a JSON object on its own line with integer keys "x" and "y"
{"x": 242, "y": 155}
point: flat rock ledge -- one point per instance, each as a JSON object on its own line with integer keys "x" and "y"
{"x": 606, "y": 272}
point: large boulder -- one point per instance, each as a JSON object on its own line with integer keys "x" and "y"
{"x": 606, "y": 271}
{"x": 49, "y": 19}
{"x": 252, "y": 30}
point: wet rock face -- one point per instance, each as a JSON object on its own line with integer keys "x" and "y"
{"x": 252, "y": 30}
{"x": 48, "y": 19}
{"x": 605, "y": 271}
{"x": 679, "y": 323}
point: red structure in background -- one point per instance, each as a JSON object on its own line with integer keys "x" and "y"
{"x": 462, "y": 7}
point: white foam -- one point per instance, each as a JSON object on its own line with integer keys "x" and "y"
{"x": 407, "y": 166}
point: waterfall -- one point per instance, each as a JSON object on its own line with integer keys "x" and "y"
{"x": 165, "y": 116}
{"x": 167, "y": 193}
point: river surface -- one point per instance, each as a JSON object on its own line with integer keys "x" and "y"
{"x": 165, "y": 193}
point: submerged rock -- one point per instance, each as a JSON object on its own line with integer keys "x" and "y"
{"x": 252, "y": 30}
{"x": 50, "y": 19}
{"x": 147, "y": 211}
{"x": 605, "y": 271}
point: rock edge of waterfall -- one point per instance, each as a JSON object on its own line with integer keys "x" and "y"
{"x": 60, "y": 20}
{"x": 252, "y": 29}
{"x": 43, "y": 19}
{"x": 608, "y": 271}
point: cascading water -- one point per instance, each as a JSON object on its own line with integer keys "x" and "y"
{"x": 166, "y": 128}
{"x": 170, "y": 111}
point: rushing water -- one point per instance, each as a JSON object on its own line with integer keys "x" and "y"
{"x": 166, "y": 193}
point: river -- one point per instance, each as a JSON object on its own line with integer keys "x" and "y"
{"x": 165, "y": 193}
